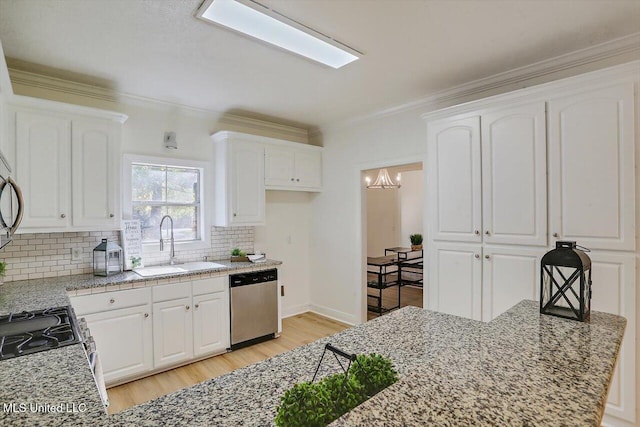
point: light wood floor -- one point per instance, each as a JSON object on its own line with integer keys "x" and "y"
{"x": 296, "y": 331}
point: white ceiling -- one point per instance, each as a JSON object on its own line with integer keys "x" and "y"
{"x": 413, "y": 48}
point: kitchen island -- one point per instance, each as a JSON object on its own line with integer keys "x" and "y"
{"x": 522, "y": 368}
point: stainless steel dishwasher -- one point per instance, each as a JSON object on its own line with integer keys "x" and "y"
{"x": 254, "y": 307}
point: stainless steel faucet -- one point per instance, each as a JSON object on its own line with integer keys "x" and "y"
{"x": 172, "y": 252}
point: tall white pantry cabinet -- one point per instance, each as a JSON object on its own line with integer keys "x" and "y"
{"x": 510, "y": 175}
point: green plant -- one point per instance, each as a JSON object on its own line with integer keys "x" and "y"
{"x": 305, "y": 404}
{"x": 416, "y": 239}
{"x": 237, "y": 252}
{"x": 136, "y": 261}
{"x": 318, "y": 404}
{"x": 3, "y": 268}
{"x": 374, "y": 371}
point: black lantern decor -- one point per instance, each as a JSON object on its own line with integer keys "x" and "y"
{"x": 565, "y": 282}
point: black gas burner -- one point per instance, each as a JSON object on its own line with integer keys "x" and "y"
{"x": 33, "y": 331}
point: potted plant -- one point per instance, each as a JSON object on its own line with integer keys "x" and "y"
{"x": 238, "y": 256}
{"x": 416, "y": 242}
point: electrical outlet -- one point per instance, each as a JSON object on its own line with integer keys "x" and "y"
{"x": 76, "y": 254}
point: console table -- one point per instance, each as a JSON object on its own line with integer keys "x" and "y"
{"x": 382, "y": 273}
{"x": 410, "y": 265}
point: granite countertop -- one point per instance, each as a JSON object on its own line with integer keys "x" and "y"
{"x": 43, "y": 381}
{"x": 522, "y": 368}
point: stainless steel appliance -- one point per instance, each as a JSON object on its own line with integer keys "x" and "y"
{"x": 254, "y": 307}
{"x": 11, "y": 203}
{"x": 33, "y": 331}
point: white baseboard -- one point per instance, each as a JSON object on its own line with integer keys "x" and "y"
{"x": 340, "y": 316}
{"x": 295, "y": 309}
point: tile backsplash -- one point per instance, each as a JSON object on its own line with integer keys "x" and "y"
{"x": 38, "y": 255}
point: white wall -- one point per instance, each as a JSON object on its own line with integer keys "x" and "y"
{"x": 383, "y": 220}
{"x": 411, "y": 205}
{"x": 286, "y": 237}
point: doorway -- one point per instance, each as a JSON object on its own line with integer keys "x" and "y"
{"x": 394, "y": 269}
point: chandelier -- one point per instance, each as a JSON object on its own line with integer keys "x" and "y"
{"x": 383, "y": 180}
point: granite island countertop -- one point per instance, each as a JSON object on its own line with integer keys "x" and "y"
{"x": 522, "y": 368}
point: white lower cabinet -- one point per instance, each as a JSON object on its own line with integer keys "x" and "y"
{"x": 210, "y": 323}
{"x": 124, "y": 342}
{"x": 145, "y": 330}
{"x": 455, "y": 279}
{"x": 509, "y": 275}
{"x": 172, "y": 332}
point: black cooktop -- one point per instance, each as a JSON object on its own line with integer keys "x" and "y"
{"x": 33, "y": 331}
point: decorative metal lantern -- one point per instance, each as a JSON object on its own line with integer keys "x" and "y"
{"x": 565, "y": 282}
{"x": 107, "y": 258}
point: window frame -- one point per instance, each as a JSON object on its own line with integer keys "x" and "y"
{"x": 153, "y": 248}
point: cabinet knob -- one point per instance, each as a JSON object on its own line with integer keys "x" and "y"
{"x": 291, "y": 179}
{"x": 476, "y": 232}
{"x": 197, "y": 305}
{"x": 146, "y": 315}
{"x": 111, "y": 301}
{"x": 235, "y": 214}
{"x": 477, "y": 256}
{"x": 188, "y": 308}
{"x": 111, "y": 215}
{"x": 298, "y": 179}
{"x": 487, "y": 232}
{"x": 63, "y": 216}
{"x": 487, "y": 257}
{"x": 555, "y": 234}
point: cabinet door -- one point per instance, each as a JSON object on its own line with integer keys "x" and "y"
{"x": 455, "y": 279}
{"x": 247, "y": 184}
{"x": 453, "y": 158}
{"x": 42, "y": 169}
{"x": 124, "y": 341}
{"x": 210, "y": 323}
{"x": 509, "y": 275}
{"x": 613, "y": 291}
{"x": 172, "y": 332}
{"x": 278, "y": 167}
{"x": 308, "y": 169}
{"x": 94, "y": 155}
{"x": 591, "y": 168}
{"x": 514, "y": 175}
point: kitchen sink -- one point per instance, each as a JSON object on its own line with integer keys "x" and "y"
{"x": 161, "y": 270}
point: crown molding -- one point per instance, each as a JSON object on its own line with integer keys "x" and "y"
{"x": 256, "y": 125}
{"x": 627, "y": 45}
{"x": 29, "y": 79}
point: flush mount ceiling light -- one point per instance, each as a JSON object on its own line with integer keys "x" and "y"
{"x": 261, "y": 22}
{"x": 383, "y": 180}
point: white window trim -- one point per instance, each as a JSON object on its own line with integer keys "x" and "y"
{"x": 206, "y": 185}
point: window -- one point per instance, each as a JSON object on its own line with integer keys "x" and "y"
{"x": 156, "y": 187}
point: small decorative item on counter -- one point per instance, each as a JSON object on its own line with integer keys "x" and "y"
{"x": 136, "y": 262}
{"x": 107, "y": 259}
{"x": 320, "y": 403}
{"x": 416, "y": 242}
{"x": 239, "y": 256}
{"x": 565, "y": 282}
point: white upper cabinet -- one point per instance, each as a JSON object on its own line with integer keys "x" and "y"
{"x": 454, "y": 179}
{"x": 292, "y": 166}
{"x": 42, "y": 169}
{"x": 591, "y": 170}
{"x": 95, "y": 179}
{"x": 239, "y": 189}
{"x": 514, "y": 175}
{"x": 67, "y": 165}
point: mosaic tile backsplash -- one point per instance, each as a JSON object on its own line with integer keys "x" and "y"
{"x": 39, "y": 255}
